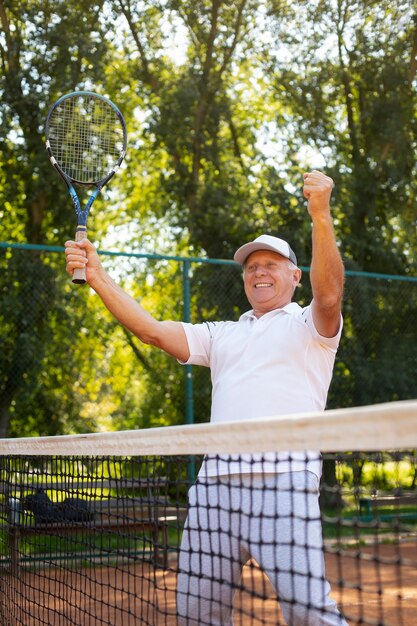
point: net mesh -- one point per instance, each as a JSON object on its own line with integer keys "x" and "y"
{"x": 86, "y": 137}
{"x": 93, "y": 537}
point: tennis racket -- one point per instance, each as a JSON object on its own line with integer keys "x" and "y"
{"x": 86, "y": 143}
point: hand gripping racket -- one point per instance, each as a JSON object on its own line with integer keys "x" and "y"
{"x": 86, "y": 143}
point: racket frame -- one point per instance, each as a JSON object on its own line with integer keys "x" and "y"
{"x": 79, "y": 275}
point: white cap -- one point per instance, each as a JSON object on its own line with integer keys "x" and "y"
{"x": 265, "y": 242}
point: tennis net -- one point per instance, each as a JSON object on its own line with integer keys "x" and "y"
{"x": 125, "y": 528}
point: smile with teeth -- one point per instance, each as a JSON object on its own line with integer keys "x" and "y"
{"x": 261, "y": 285}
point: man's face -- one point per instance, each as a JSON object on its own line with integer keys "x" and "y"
{"x": 269, "y": 280}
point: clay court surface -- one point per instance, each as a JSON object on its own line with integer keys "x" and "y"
{"x": 137, "y": 594}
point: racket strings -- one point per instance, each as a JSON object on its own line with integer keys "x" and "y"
{"x": 86, "y": 138}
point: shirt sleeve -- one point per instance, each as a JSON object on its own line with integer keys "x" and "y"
{"x": 330, "y": 342}
{"x": 199, "y": 338}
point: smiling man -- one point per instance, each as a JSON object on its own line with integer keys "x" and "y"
{"x": 276, "y": 359}
{"x": 270, "y": 277}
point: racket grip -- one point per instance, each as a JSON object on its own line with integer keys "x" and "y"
{"x": 79, "y": 275}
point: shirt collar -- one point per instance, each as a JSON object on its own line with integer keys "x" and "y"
{"x": 291, "y": 308}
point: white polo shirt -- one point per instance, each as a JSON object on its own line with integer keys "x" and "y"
{"x": 277, "y": 364}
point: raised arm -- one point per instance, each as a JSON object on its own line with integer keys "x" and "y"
{"x": 326, "y": 273}
{"x": 167, "y": 335}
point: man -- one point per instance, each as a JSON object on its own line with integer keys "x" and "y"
{"x": 277, "y": 359}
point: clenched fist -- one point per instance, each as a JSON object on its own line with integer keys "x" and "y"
{"x": 317, "y": 190}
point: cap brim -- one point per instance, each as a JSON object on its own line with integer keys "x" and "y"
{"x": 244, "y": 251}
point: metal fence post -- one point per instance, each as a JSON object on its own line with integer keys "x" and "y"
{"x": 189, "y": 399}
{"x": 189, "y": 392}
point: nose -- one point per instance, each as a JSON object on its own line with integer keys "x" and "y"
{"x": 260, "y": 270}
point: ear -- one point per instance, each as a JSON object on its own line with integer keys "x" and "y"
{"x": 297, "y": 276}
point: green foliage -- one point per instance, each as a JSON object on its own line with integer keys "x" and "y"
{"x": 386, "y": 475}
{"x": 226, "y": 105}
{"x": 46, "y": 50}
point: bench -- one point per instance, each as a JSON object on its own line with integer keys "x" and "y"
{"x": 370, "y": 506}
{"x": 95, "y": 507}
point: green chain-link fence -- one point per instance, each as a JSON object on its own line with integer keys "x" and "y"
{"x": 66, "y": 365}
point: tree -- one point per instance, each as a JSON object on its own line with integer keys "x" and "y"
{"x": 353, "y": 100}
{"x": 219, "y": 136}
{"x": 200, "y": 131}
{"x": 44, "y": 50}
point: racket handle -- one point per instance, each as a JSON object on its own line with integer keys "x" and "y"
{"x": 79, "y": 275}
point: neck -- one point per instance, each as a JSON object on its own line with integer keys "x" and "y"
{"x": 260, "y": 312}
